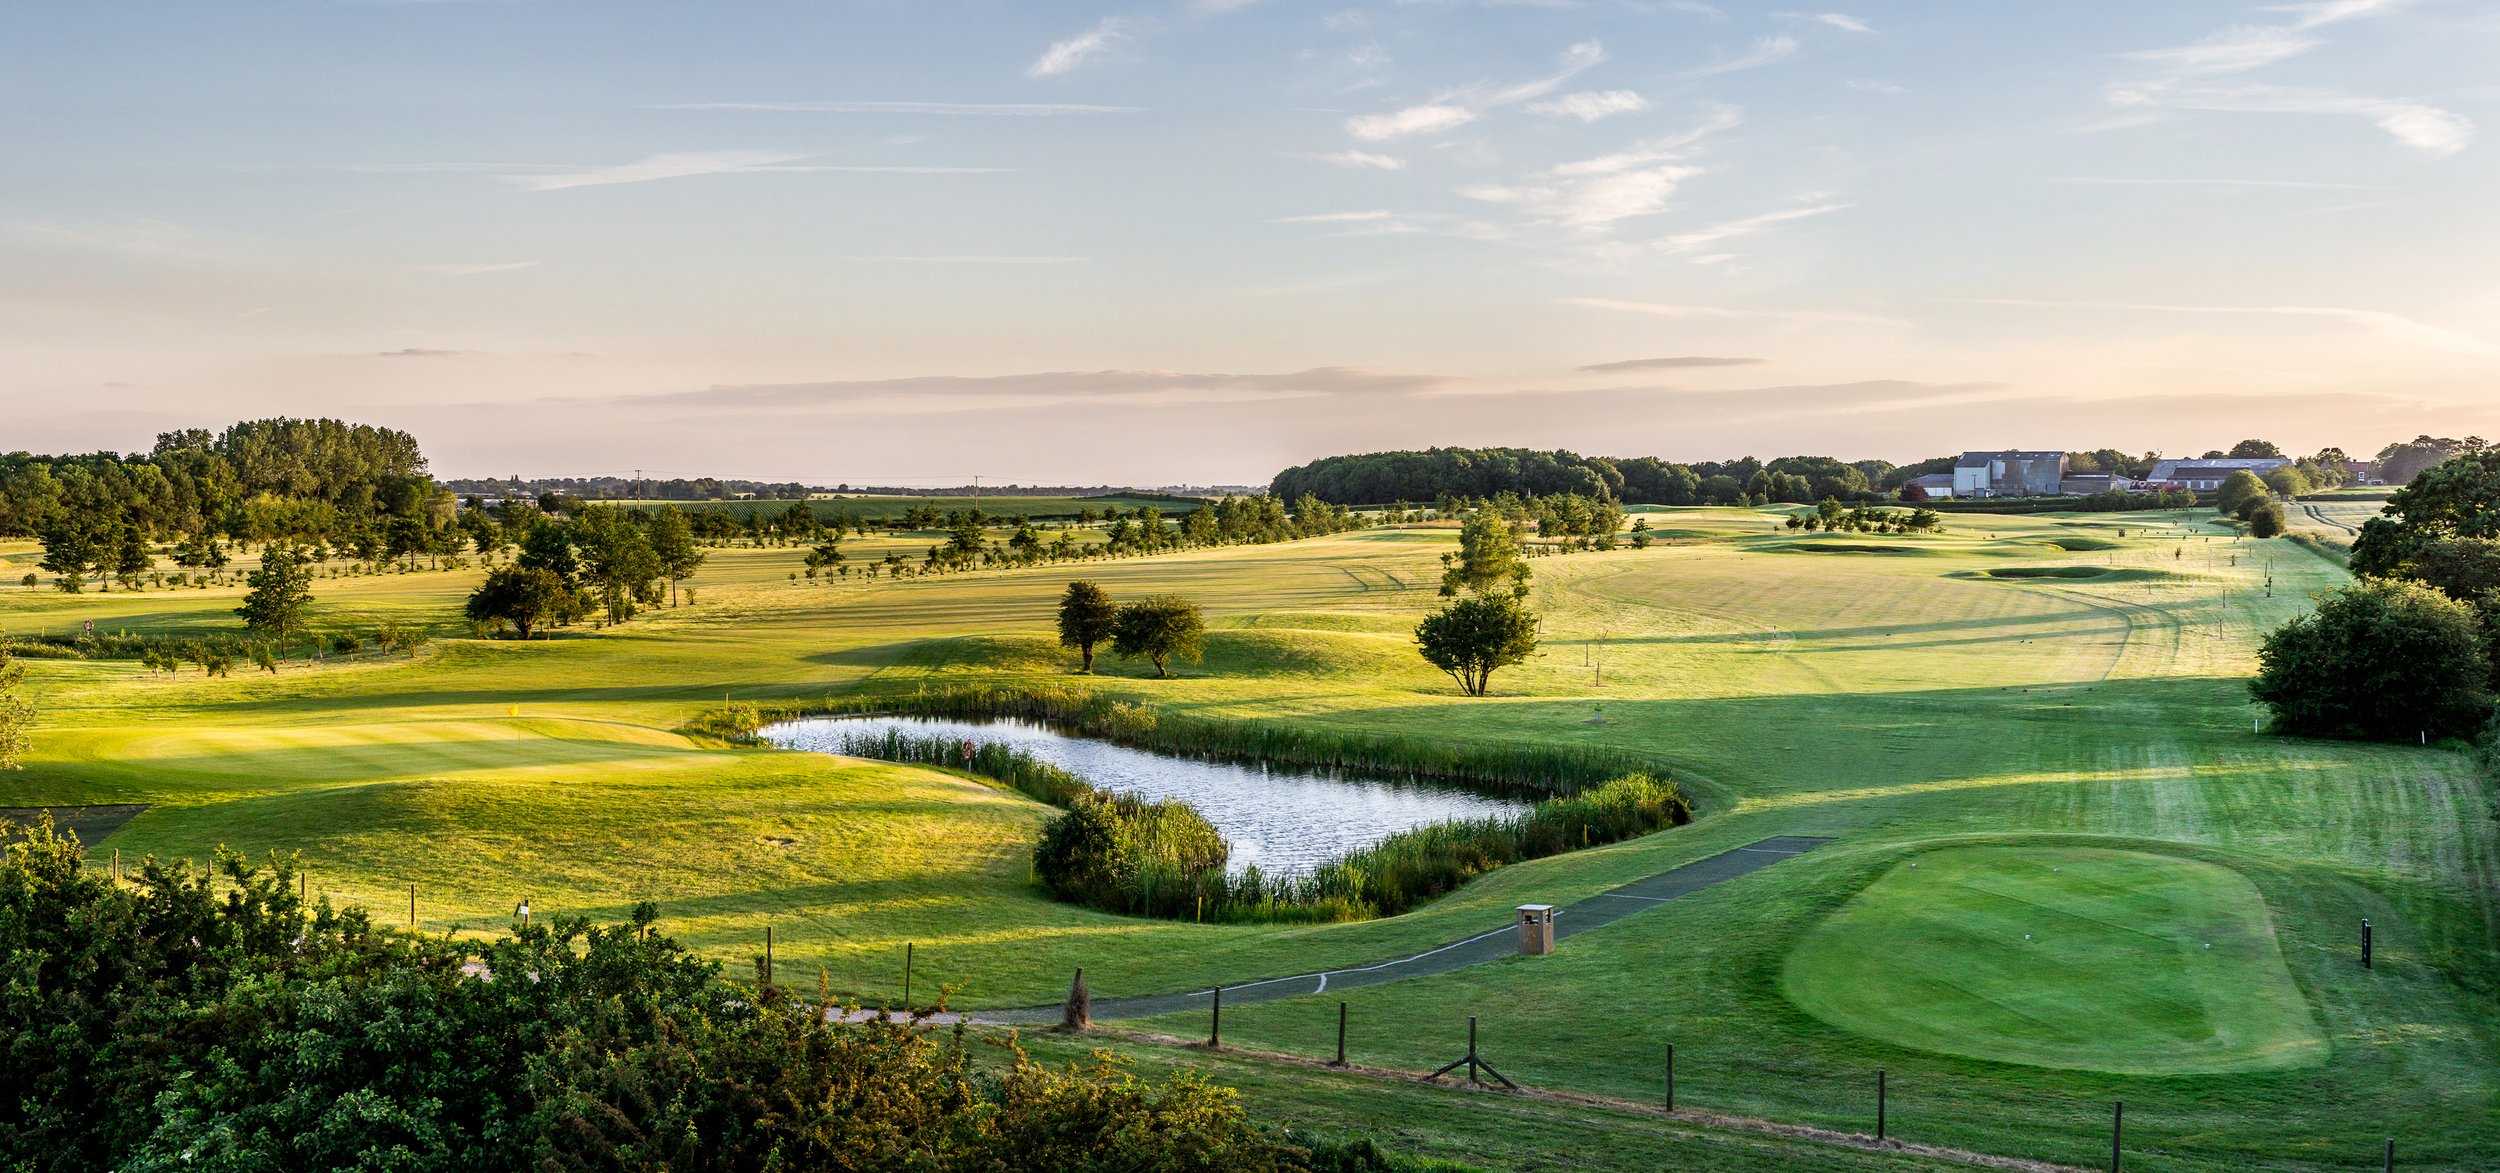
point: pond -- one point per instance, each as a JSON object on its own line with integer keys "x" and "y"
{"x": 1286, "y": 820}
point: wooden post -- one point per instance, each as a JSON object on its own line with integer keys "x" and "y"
{"x": 768, "y": 955}
{"x": 1471, "y": 1050}
{"x": 1340, "y": 1034}
{"x": 2366, "y": 944}
{"x": 1879, "y": 1104}
{"x": 906, "y": 977}
{"x": 2391, "y": 1155}
{"x": 1215, "y": 1025}
{"x": 2117, "y": 1131}
{"x": 1670, "y": 1077}
{"x": 412, "y": 908}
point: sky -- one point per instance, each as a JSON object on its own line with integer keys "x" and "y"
{"x": 1196, "y": 241}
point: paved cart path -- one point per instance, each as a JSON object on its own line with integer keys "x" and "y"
{"x": 1597, "y": 911}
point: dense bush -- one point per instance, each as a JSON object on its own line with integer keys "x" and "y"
{"x": 2382, "y": 660}
{"x": 185, "y": 1022}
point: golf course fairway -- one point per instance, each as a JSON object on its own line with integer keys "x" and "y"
{"x": 2092, "y": 958}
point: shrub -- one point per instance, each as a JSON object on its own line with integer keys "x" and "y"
{"x": 2377, "y": 660}
{"x": 189, "y": 1021}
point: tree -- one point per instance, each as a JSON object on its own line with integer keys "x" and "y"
{"x": 17, "y": 714}
{"x": 1158, "y": 628}
{"x": 523, "y": 596}
{"x": 1914, "y": 494}
{"x": 1470, "y": 638}
{"x": 2459, "y": 497}
{"x": 2255, "y": 450}
{"x": 70, "y": 550}
{"x": 1488, "y": 558}
{"x": 2377, "y": 660}
{"x": 827, "y": 553}
{"x": 130, "y": 555}
{"x": 280, "y": 592}
{"x": 2266, "y": 521}
{"x": 2464, "y": 569}
{"x": 672, "y": 541}
{"x": 2239, "y": 492}
{"x": 2290, "y": 481}
{"x": 1086, "y": 617}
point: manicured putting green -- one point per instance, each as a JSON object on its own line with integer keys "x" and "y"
{"x": 2134, "y": 962}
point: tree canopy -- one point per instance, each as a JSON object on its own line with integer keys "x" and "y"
{"x": 1086, "y": 617}
{"x": 1157, "y": 628}
{"x": 1488, "y": 558}
{"x": 2378, "y": 660}
{"x": 2458, "y": 498}
{"x": 1472, "y": 637}
{"x": 280, "y": 592}
{"x": 521, "y": 596}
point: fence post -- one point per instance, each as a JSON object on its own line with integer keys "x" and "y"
{"x": 1471, "y": 1050}
{"x": 1670, "y": 1077}
{"x": 2391, "y": 1155}
{"x": 412, "y": 908}
{"x": 2366, "y": 943}
{"x": 768, "y": 955}
{"x": 1879, "y": 1104}
{"x": 906, "y": 977}
{"x": 2117, "y": 1130}
{"x": 1340, "y": 1034}
{"x": 1215, "y": 1024}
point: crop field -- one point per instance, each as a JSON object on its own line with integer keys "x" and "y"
{"x": 2066, "y": 868}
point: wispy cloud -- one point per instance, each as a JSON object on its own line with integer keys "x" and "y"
{"x": 1589, "y": 194}
{"x": 1878, "y": 87}
{"x": 964, "y": 391}
{"x": 1591, "y": 105}
{"x": 477, "y": 269}
{"x": 1838, "y": 20}
{"x": 2389, "y": 325}
{"x": 691, "y": 163}
{"x": 1669, "y": 364}
{"x": 2296, "y": 184}
{"x": 961, "y": 109}
{"x": 1066, "y": 55}
{"x": 1332, "y": 218}
{"x": 420, "y": 352}
{"x": 1725, "y": 314}
{"x": 1459, "y": 107}
{"x": 1688, "y": 242}
{"x": 1766, "y": 51}
{"x": 1363, "y": 161}
{"x": 1424, "y": 119}
{"x": 967, "y": 259}
{"x": 2195, "y": 77}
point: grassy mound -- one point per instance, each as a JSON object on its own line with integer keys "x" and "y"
{"x": 2069, "y": 542}
{"x": 2048, "y": 572}
{"x": 2062, "y": 956}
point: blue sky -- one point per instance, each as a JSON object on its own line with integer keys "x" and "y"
{"x": 1198, "y": 240}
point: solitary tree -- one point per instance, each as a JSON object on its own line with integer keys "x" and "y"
{"x": 2379, "y": 660}
{"x": 280, "y": 592}
{"x": 1470, "y": 638}
{"x": 523, "y": 596}
{"x": 1158, "y": 628}
{"x": 672, "y": 539}
{"x": 1488, "y": 558}
{"x": 1086, "y": 614}
{"x": 2266, "y": 521}
{"x": 17, "y": 714}
{"x": 2240, "y": 491}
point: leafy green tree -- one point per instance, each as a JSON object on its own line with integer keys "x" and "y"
{"x": 2378, "y": 660}
{"x": 1488, "y": 559}
{"x": 2266, "y": 521}
{"x": 70, "y": 551}
{"x": 523, "y": 596}
{"x": 279, "y": 593}
{"x": 130, "y": 555}
{"x": 2290, "y": 481}
{"x": 17, "y": 714}
{"x": 2240, "y": 492}
{"x": 1086, "y": 618}
{"x": 1157, "y": 628}
{"x": 2459, "y": 497}
{"x": 2464, "y": 569}
{"x": 826, "y": 554}
{"x": 672, "y": 540}
{"x": 548, "y": 546}
{"x": 1471, "y": 638}
{"x": 2255, "y": 450}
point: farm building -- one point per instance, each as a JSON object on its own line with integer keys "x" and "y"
{"x": 2009, "y": 474}
{"x": 2205, "y": 476}
{"x": 1937, "y": 485}
{"x": 2085, "y": 484}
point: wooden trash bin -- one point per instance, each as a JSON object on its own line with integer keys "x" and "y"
{"x": 1536, "y": 929}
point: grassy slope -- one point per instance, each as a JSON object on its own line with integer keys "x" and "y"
{"x": 1895, "y": 700}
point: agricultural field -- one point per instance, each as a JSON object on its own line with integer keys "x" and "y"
{"x": 2064, "y": 868}
{"x": 888, "y": 506}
